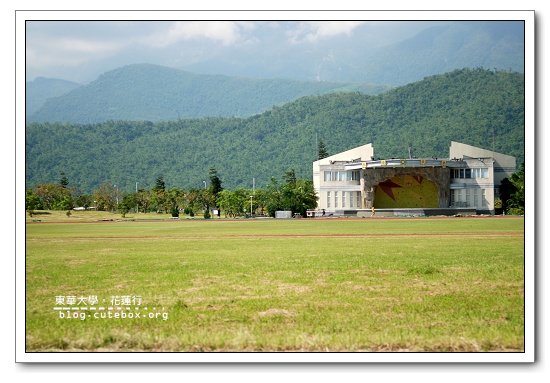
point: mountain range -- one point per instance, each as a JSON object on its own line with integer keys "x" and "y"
{"x": 154, "y": 93}
{"x": 247, "y": 79}
{"x": 372, "y": 55}
{"x": 480, "y": 107}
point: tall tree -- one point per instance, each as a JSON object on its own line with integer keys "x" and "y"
{"x": 234, "y": 203}
{"x": 64, "y": 181}
{"x": 512, "y": 192}
{"x": 516, "y": 203}
{"x": 105, "y": 197}
{"x": 215, "y": 183}
{"x": 322, "y": 151}
{"x": 159, "y": 184}
{"x": 54, "y": 197}
{"x": 506, "y": 190}
{"x": 32, "y": 201}
{"x": 290, "y": 178}
{"x": 143, "y": 200}
{"x": 296, "y": 195}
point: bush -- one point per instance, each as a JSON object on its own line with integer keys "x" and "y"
{"x": 175, "y": 212}
{"x": 515, "y": 211}
{"x": 207, "y": 214}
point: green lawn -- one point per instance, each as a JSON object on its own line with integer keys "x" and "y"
{"x": 453, "y": 284}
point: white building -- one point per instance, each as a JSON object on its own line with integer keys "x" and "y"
{"x": 354, "y": 180}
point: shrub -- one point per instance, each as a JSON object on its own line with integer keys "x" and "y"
{"x": 175, "y": 212}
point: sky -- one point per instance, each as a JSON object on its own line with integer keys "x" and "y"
{"x": 81, "y": 50}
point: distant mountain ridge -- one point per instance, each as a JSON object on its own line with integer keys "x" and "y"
{"x": 154, "y": 93}
{"x": 41, "y": 89}
{"x": 445, "y": 48}
{"x": 435, "y": 50}
{"x": 477, "y": 107}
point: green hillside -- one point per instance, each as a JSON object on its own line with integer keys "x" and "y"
{"x": 474, "y": 106}
{"x": 155, "y": 93}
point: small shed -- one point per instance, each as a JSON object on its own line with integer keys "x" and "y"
{"x": 283, "y": 214}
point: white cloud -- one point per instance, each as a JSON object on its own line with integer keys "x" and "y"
{"x": 312, "y": 31}
{"x": 42, "y": 52}
{"x": 225, "y": 32}
{"x": 67, "y": 51}
{"x": 86, "y": 46}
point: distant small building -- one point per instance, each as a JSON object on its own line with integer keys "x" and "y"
{"x": 354, "y": 180}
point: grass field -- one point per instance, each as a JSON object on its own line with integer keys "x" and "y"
{"x": 445, "y": 284}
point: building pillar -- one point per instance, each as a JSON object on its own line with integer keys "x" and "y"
{"x": 369, "y": 197}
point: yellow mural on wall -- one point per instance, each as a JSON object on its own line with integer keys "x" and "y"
{"x": 406, "y": 191}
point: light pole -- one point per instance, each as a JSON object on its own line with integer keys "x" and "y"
{"x": 251, "y": 206}
{"x": 137, "y": 209}
{"x": 204, "y": 184}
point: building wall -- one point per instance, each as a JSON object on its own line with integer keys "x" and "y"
{"x": 360, "y": 153}
{"x": 475, "y": 186}
{"x": 480, "y": 192}
{"x": 439, "y": 176}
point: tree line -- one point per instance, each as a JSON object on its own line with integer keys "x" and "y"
{"x": 289, "y": 193}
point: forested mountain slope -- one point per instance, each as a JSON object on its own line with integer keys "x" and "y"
{"x": 474, "y": 106}
{"x": 155, "y": 93}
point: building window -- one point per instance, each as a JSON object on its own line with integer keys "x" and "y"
{"x": 470, "y": 173}
{"x": 328, "y": 199}
{"x": 341, "y": 175}
{"x": 460, "y": 197}
{"x": 343, "y": 199}
{"x": 480, "y": 173}
{"x": 359, "y": 200}
{"x": 335, "y": 199}
{"x": 351, "y": 199}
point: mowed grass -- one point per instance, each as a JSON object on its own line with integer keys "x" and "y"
{"x": 447, "y": 284}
